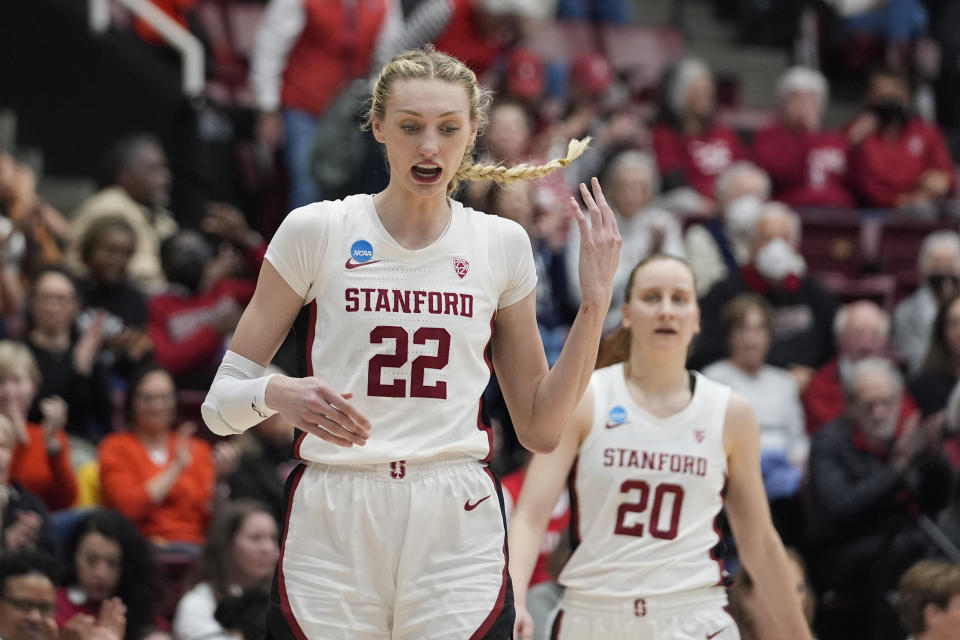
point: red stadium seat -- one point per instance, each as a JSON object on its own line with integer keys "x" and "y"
{"x": 831, "y": 241}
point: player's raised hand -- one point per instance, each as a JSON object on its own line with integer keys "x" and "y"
{"x": 599, "y": 245}
{"x": 312, "y": 406}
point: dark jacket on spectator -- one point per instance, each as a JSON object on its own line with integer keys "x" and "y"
{"x": 931, "y": 389}
{"x": 802, "y": 329}
{"x": 19, "y": 499}
{"x": 862, "y": 529}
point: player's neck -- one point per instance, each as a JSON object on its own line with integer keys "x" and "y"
{"x": 412, "y": 222}
{"x": 652, "y": 377}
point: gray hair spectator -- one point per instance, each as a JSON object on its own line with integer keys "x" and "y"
{"x": 803, "y": 308}
{"x": 938, "y": 264}
{"x": 715, "y": 247}
{"x": 870, "y": 476}
{"x": 808, "y": 164}
{"x": 631, "y": 182}
{"x": 861, "y": 329}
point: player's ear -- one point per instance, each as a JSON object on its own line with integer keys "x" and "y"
{"x": 376, "y": 125}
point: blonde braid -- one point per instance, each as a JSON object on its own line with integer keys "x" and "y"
{"x": 518, "y": 172}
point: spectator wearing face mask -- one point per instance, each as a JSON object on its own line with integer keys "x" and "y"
{"x": 939, "y": 267}
{"x": 803, "y": 309}
{"x": 807, "y": 164}
{"x": 897, "y": 159}
{"x": 717, "y": 247}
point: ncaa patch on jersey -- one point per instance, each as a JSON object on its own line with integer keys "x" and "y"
{"x": 361, "y": 251}
{"x": 461, "y": 266}
{"x": 618, "y": 414}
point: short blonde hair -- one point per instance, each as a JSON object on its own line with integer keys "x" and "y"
{"x": 17, "y": 357}
{"x": 429, "y": 64}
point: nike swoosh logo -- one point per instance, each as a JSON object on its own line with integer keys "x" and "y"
{"x": 470, "y": 507}
{"x": 353, "y": 265}
{"x": 614, "y": 425}
{"x": 715, "y": 633}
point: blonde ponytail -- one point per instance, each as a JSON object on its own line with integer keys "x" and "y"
{"x": 515, "y": 173}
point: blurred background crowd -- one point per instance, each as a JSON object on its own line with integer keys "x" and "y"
{"x": 801, "y": 154}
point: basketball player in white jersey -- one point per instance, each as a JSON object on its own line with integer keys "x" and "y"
{"x": 394, "y": 527}
{"x": 648, "y": 453}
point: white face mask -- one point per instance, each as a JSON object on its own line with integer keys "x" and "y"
{"x": 776, "y": 260}
{"x": 741, "y": 215}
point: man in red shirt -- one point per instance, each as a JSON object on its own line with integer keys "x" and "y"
{"x": 897, "y": 159}
{"x": 807, "y": 165}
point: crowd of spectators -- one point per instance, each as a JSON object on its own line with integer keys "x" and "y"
{"x": 114, "y": 317}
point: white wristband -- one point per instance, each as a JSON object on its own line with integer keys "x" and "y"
{"x": 236, "y": 400}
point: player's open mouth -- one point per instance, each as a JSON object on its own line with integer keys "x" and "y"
{"x": 666, "y": 331}
{"x": 426, "y": 174}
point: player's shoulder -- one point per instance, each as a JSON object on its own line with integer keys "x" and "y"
{"x": 490, "y": 223}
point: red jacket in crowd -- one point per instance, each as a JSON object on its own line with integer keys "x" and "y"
{"x": 807, "y": 169}
{"x": 464, "y": 40}
{"x": 183, "y": 327}
{"x": 882, "y": 168}
{"x": 701, "y": 158}
{"x": 50, "y": 477}
{"x": 824, "y": 399}
{"x": 336, "y": 45}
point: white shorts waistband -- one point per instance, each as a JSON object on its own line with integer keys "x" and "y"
{"x": 645, "y": 606}
{"x": 402, "y": 470}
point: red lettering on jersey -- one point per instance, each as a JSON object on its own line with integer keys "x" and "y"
{"x": 383, "y": 301}
{"x": 608, "y": 457}
{"x": 634, "y": 460}
{"x": 701, "y": 467}
{"x": 688, "y": 463}
{"x": 648, "y": 462}
{"x": 401, "y": 301}
{"x": 662, "y": 459}
{"x": 450, "y": 301}
{"x": 366, "y": 298}
{"x": 676, "y": 462}
{"x": 353, "y": 301}
{"x": 418, "y": 298}
{"x": 466, "y": 305}
{"x": 435, "y": 302}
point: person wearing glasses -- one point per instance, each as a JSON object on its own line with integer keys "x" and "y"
{"x": 28, "y": 599}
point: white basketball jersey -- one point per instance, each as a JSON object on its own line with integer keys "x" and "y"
{"x": 405, "y": 331}
{"x": 645, "y": 492}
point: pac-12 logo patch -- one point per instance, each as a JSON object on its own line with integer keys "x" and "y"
{"x": 699, "y": 434}
{"x": 461, "y": 266}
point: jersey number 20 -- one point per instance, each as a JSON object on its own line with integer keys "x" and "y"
{"x": 398, "y": 388}
{"x": 640, "y": 506}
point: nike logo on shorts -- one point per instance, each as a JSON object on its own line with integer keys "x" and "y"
{"x": 353, "y": 265}
{"x": 715, "y": 633}
{"x": 470, "y": 507}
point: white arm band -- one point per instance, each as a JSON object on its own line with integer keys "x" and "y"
{"x": 236, "y": 400}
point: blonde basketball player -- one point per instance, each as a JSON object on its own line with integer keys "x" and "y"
{"x": 394, "y": 527}
{"x": 648, "y": 453}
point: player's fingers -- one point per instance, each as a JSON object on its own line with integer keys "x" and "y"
{"x": 339, "y": 416}
{"x": 323, "y": 434}
{"x": 606, "y": 213}
{"x": 352, "y": 414}
{"x": 579, "y": 216}
{"x": 596, "y": 221}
